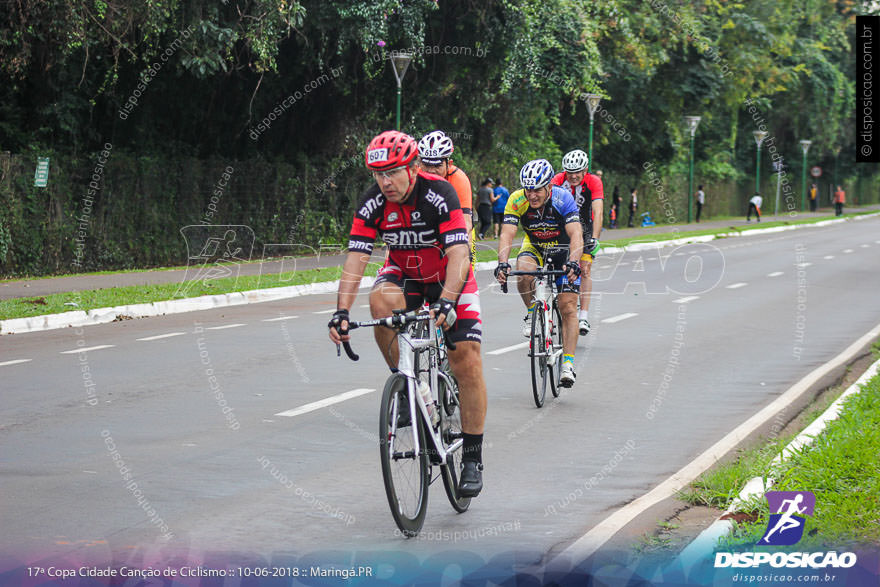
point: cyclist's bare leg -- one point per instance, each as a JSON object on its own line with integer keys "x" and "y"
{"x": 383, "y": 299}
{"x": 467, "y": 366}
{"x": 526, "y": 283}
{"x": 586, "y": 283}
{"x": 568, "y": 308}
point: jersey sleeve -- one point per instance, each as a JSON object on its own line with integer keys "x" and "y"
{"x": 558, "y": 179}
{"x": 566, "y": 205}
{"x": 594, "y": 184}
{"x": 365, "y": 225}
{"x": 462, "y": 184}
{"x": 516, "y": 205}
{"x": 451, "y": 218}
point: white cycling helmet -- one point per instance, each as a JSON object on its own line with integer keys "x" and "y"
{"x": 536, "y": 174}
{"x": 575, "y": 161}
{"x": 434, "y": 147}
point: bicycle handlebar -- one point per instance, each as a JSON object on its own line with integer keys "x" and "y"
{"x": 538, "y": 273}
{"x": 396, "y": 321}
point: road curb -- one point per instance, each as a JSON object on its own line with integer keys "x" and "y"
{"x": 704, "y": 544}
{"x": 104, "y": 315}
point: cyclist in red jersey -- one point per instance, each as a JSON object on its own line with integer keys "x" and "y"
{"x": 419, "y": 217}
{"x": 588, "y": 194}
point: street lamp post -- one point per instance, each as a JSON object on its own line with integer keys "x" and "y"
{"x": 759, "y": 135}
{"x": 399, "y": 62}
{"x": 592, "y": 106}
{"x": 805, "y": 145}
{"x": 692, "y": 122}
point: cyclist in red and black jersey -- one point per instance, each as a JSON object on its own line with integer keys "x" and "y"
{"x": 419, "y": 217}
{"x": 588, "y": 194}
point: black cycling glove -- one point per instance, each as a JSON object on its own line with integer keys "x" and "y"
{"x": 336, "y": 321}
{"x": 573, "y": 266}
{"x": 447, "y": 307}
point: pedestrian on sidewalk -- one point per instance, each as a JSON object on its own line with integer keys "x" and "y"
{"x": 755, "y": 204}
{"x": 615, "y": 207}
{"x": 633, "y": 206}
{"x": 701, "y": 199}
{"x": 839, "y": 201}
{"x": 503, "y": 194}
{"x": 814, "y": 193}
{"x": 485, "y": 197}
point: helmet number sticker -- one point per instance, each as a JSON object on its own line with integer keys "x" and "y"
{"x": 377, "y": 155}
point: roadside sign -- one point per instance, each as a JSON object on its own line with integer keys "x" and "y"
{"x": 816, "y": 171}
{"x": 41, "y": 176}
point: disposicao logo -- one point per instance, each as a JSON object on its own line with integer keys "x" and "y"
{"x": 788, "y": 511}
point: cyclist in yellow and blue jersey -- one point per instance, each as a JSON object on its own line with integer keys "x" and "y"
{"x": 551, "y": 221}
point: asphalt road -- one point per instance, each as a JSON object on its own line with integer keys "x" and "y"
{"x": 687, "y": 343}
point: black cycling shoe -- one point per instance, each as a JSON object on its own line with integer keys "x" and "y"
{"x": 470, "y": 483}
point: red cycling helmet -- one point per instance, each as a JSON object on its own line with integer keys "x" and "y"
{"x": 390, "y": 149}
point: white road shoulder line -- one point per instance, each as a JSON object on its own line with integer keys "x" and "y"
{"x": 279, "y": 318}
{"x": 736, "y": 285}
{"x": 590, "y": 542}
{"x": 14, "y": 362}
{"x": 87, "y": 349}
{"x": 507, "y": 349}
{"x": 618, "y": 318}
{"x": 776, "y": 274}
{"x": 158, "y": 336}
{"x": 325, "y": 402}
{"x": 224, "y": 327}
{"x": 685, "y": 299}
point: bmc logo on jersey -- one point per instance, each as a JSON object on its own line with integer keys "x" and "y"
{"x": 377, "y": 155}
{"x": 437, "y": 200}
{"x": 409, "y": 238}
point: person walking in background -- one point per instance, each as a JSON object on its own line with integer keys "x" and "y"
{"x": 633, "y": 206}
{"x": 701, "y": 199}
{"x": 485, "y": 196}
{"x": 615, "y": 208}
{"x": 814, "y": 193}
{"x": 501, "y": 197}
{"x": 755, "y": 204}
{"x": 839, "y": 201}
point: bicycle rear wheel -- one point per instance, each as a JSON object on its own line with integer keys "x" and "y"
{"x": 556, "y": 345}
{"x": 538, "y": 352}
{"x": 404, "y": 472}
{"x": 450, "y": 431}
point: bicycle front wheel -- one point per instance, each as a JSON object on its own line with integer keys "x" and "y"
{"x": 404, "y": 471}
{"x": 538, "y": 351}
{"x": 556, "y": 347}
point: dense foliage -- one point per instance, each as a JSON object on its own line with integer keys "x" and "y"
{"x": 300, "y": 86}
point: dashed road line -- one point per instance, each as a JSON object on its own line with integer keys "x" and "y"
{"x": 325, "y": 311}
{"x": 685, "y": 299}
{"x": 776, "y": 274}
{"x": 736, "y": 285}
{"x": 619, "y": 317}
{"x": 847, "y": 250}
{"x": 828, "y": 257}
{"x": 89, "y": 348}
{"x": 158, "y": 336}
{"x": 224, "y": 327}
{"x": 14, "y": 362}
{"x": 802, "y": 265}
{"x": 507, "y": 349}
{"x": 864, "y": 246}
{"x": 280, "y": 318}
{"x": 325, "y": 402}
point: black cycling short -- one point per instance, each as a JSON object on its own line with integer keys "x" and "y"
{"x": 468, "y": 324}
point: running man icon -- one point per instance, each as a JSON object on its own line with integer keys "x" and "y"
{"x": 787, "y": 520}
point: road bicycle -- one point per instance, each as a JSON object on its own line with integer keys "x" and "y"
{"x": 409, "y": 451}
{"x": 545, "y": 342}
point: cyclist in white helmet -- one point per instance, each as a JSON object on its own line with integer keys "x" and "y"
{"x": 552, "y": 225}
{"x": 586, "y": 189}
{"x": 435, "y": 156}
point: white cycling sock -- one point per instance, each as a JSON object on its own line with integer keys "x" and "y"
{"x": 582, "y": 315}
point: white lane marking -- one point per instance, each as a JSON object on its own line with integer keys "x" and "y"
{"x": 864, "y": 246}
{"x": 325, "y": 311}
{"x": 225, "y": 326}
{"x": 623, "y": 264}
{"x": 802, "y": 265}
{"x": 325, "y": 402}
{"x": 158, "y": 336}
{"x": 828, "y": 257}
{"x": 685, "y": 299}
{"x": 847, "y": 250}
{"x": 87, "y": 349}
{"x": 618, "y": 318}
{"x": 737, "y": 285}
{"x": 590, "y": 542}
{"x": 776, "y": 274}
{"x": 14, "y": 362}
{"x": 507, "y": 349}
{"x": 365, "y": 305}
{"x": 280, "y": 318}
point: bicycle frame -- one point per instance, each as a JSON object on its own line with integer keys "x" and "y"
{"x": 545, "y": 294}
